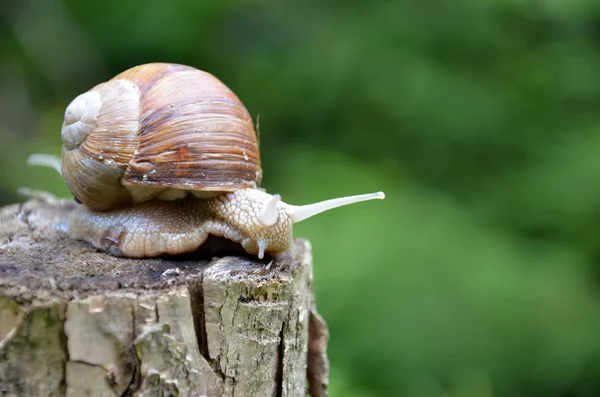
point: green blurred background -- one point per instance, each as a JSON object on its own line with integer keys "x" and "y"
{"x": 479, "y": 274}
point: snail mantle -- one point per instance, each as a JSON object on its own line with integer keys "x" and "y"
{"x": 76, "y": 321}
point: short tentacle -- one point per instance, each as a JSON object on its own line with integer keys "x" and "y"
{"x": 300, "y": 213}
{"x": 268, "y": 216}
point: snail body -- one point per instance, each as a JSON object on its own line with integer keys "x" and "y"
{"x": 164, "y": 155}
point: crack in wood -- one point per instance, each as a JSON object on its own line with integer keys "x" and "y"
{"x": 197, "y": 297}
{"x": 280, "y": 363}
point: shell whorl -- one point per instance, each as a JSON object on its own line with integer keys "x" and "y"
{"x": 157, "y": 130}
{"x": 80, "y": 117}
{"x": 99, "y": 138}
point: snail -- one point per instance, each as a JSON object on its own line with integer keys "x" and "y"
{"x": 162, "y": 156}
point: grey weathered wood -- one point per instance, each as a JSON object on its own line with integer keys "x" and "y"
{"x": 77, "y": 322}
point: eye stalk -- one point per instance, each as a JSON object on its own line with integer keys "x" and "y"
{"x": 300, "y": 213}
{"x": 268, "y": 216}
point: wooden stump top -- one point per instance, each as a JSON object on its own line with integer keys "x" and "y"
{"x": 38, "y": 260}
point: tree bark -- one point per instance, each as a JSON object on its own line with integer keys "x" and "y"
{"x": 78, "y": 322}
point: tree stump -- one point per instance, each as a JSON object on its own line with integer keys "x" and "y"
{"x": 78, "y": 322}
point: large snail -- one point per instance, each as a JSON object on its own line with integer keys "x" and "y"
{"x": 164, "y": 155}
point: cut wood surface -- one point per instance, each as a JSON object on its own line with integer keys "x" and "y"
{"x": 78, "y": 322}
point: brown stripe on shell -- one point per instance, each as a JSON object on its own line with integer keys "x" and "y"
{"x": 145, "y": 76}
{"x": 195, "y": 134}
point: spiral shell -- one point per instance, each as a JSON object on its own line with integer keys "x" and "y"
{"x": 157, "y": 131}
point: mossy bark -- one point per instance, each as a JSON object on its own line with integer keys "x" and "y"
{"x": 78, "y": 322}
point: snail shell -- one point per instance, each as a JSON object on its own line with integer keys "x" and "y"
{"x": 157, "y": 131}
